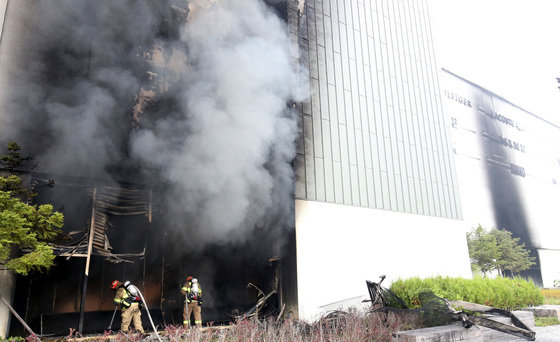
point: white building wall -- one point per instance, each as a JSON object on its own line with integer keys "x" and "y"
{"x": 6, "y": 290}
{"x": 550, "y": 266}
{"x": 6, "y": 277}
{"x": 3, "y": 7}
{"x": 339, "y": 247}
{"x": 476, "y": 119}
{"x": 474, "y": 187}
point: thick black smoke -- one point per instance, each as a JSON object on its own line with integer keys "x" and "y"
{"x": 70, "y": 70}
{"x": 70, "y": 74}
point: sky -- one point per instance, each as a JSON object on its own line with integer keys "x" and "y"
{"x": 510, "y": 47}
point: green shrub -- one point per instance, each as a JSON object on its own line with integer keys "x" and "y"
{"x": 13, "y": 339}
{"x": 546, "y": 321}
{"x": 503, "y": 293}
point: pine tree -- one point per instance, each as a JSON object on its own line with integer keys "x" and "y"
{"x": 13, "y": 160}
{"x": 25, "y": 229}
{"x": 24, "y": 232}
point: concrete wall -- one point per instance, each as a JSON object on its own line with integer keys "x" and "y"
{"x": 6, "y": 290}
{"x": 339, "y": 247}
{"x": 6, "y": 277}
{"x": 550, "y": 266}
{"x": 3, "y": 7}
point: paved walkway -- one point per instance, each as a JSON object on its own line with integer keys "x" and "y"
{"x": 544, "y": 334}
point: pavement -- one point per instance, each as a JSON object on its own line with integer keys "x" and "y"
{"x": 543, "y": 334}
{"x": 456, "y": 332}
{"x": 550, "y": 333}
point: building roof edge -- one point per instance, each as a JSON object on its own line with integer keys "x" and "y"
{"x": 500, "y": 97}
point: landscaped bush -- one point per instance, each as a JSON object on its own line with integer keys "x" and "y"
{"x": 504, "y": 293}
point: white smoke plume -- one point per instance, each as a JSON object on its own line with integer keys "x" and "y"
{"x": 70, "y": 71}
{"x": 228, "y": 154}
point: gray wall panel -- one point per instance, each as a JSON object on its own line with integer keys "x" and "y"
{"x": 370, "y": 186}
{"x": 299, "y": 174}
{"x": 320, "y": 28}
{"x": 331, "y": 79}
{"x": 355, "y": 185}
{"x": 338, "y": 182}
{"x": 335, "y": 143}
{"x": 341, "y": 11}
{"x": 316, "y": 118}
{"x": 340, "y": 111}
{"x": 335, "y": 30}
{"x": 365, "y": 133}
{"x": 373, "y": 129}
{"x": 346, "y": 188}
{"x": 320, "y": 188}
{"x": 323, "y": 92}
{"x": 312, "y": 43}
{"x": 309, "y": 158}
{"x": 351, "y": 51}
{"x": 326, "y": 7}
{"x": 328, "y": 161}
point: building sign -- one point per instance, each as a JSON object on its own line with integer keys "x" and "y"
{"x": 455, "y": 97}
{"x": 505, "y": 142}
{"x": 499, "y": 117}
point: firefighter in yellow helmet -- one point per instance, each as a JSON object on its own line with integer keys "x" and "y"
{"x": 192, "y": 290}
{"x": 128, "y": 298}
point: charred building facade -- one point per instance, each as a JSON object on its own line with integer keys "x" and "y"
{"x": 292, "y": 145}
{"x": 166, "y": 141}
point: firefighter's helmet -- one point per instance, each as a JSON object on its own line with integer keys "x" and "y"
{"x": 189, "y": 278}
{"x": 115, "y": 284}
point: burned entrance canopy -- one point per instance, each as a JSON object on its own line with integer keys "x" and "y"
{"x": 108, "y": 201}
{"x": 133, "y": 240}
{"x": 107, "y": 223}
{"x": 121, "y": 92}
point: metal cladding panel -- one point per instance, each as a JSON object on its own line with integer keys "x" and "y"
{"x": 375, "y": 129}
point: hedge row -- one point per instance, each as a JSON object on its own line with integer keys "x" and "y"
{"x": 503, "y": 293}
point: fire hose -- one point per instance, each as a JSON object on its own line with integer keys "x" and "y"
{"x": 149, "y": 316}
{"x": 187, "y": 311}
{"x": 148, "y": 311}
{"x": 113, "y": 318}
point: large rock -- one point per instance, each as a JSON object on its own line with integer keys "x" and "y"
{"x": 456, "y": 332}
{"x": 545, "y": 311}
{"x": 444, "y": 333}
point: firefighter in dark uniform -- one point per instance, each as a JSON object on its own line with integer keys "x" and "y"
{"x": 127, "y": 297}
{"x": 192, "y": 290}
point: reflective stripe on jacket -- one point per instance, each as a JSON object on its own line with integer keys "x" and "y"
{"x": 122, "y": 297}
{"x": 186, "y": 289}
